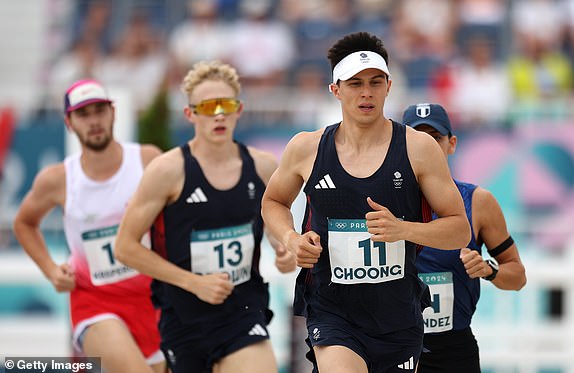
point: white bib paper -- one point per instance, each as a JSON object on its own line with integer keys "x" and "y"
{"x": 99, "y": 249}
{"x": 228, "y": 250}
{"x": 438, "y": 317}
{"x": 356, "y": 259}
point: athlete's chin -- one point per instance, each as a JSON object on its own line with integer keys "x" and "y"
{"x": 366, "y": 120}
{"x": 98, "y": 146}
{"x": 221, "y": 137}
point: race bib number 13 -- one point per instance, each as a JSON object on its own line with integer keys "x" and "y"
{"x": 228, "y": 249}
{"x": 356, "y": 259}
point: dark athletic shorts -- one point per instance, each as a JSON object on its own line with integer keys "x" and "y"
{"x": 454, "y": 351}
{"x": 396, "y": 352}
{"x": 197, "y": 352}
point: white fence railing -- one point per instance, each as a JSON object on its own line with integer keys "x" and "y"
{"x": 31, "y": 334}
{"x": 513, "y": 329}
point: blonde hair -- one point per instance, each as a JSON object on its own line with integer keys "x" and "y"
{"x": 210, "y": 70}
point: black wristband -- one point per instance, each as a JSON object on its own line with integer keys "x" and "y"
{"x": 502, "y": 247}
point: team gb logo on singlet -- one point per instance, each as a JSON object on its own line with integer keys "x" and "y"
{"x": 251, "y": 190}
{"x": 398, "y": 180}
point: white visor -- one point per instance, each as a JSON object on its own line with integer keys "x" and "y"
{"x": 356, "y": 62}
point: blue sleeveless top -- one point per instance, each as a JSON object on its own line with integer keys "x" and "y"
{"x": 372, "y": 285}
{"x": 454, "y": 294}
{"x": 209, "y": 230}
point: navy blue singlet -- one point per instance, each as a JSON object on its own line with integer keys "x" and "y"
{"x": 209, "y": 230}
{"x": 372, "y": 285}
{"x": 454, "y": 294}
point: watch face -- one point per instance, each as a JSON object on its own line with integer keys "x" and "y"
{"x": 493, "y": 263}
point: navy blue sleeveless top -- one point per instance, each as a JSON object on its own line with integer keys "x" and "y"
{"x": 376, "y": 294}
{"x": 447, "y": 263}
{"x": 207, "y": 230}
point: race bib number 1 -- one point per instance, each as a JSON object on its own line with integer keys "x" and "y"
{"x": 356, "y": 259}
{"x": 438, "y": 317}
{"x": 99, "y": 249}
{"x": 228, "y": 250}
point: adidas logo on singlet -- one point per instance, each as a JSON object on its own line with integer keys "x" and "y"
{"x": 258, "y": 330}
{"x": 196, "y": 196}
{"x": 409, "y": 364}
{"x": 326, "y": 183}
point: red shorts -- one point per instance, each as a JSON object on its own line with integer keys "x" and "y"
{"x": 137, "y": 312}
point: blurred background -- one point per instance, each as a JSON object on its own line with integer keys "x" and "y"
{"x": 503, "y": 68}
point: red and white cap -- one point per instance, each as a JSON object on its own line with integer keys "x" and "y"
{"x": 84, "y": 92}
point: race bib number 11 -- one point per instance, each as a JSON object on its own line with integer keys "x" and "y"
{"x": 356, "y": 259}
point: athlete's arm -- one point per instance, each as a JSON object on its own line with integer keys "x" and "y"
{"x": 490, "y": 227}
{"x": 47, "y": 192}
{"x": 265, "y": 165}
{"x": 451, "y": 230}
{"x": 284, "y": 186}
{"x": 160, "y": 185}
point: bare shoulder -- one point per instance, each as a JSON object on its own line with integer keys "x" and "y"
{"x": 303, "y": 145}
{"x": 50, "y": 183}
{"x": 419, "y": 141}
{"x": 51, "y": 177}
{"x": 168, "y": 164}
{"x": 484, "y": 202}
{"x": 305, "y": 138}
{"x": 164, "y": 176}
{"x": 149, "y": 152}
{"x": 299, "y": 154}
{"x": 422, "y": 149}
{"x": 265, "y": 162}
{"x": 488, "y": 217}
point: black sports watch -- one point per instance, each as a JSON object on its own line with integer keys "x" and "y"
{"x": 492, "y": 263}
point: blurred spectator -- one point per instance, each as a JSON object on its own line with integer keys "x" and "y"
{"x": 321, "y": 22}
{"x": 567, "y": 7}
{"x": 481, "y": 90}
{"x": 483, "y": 17}
{"x": 539, "y": 70}
{"x": 310, "y": 96}
{"x": 374, "y": 16}
{"x": 137, "y": 62}
{"x": 93, "y": 20}
{"x": 260, "y": 46}
{"x": 90, "y": 41}
{"x": 423, "y": 43}
{"x": 540, "y": 19}
{"x": 202, "y": 36}
{"x": 82, "y": 61}
{"x": 401, "y": 96}
{"x": 541, "y": 80}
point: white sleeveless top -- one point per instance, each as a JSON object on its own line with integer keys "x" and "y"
{"x": 92, "y": 214}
